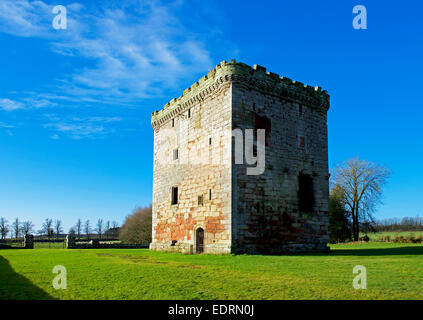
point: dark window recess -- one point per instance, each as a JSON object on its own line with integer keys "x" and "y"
{"x": 175, "y": 154}
{"x": 210, "y": 194}
{"x": 200, "y": 200}
{"x": 173, "y": 123}
{"x": 174, "y": 242}
{"x": 260, "y": 207}
{"x": 263, "y": 123}
{"x": 302, "y": 142}
{"x": 305, "y": 193}
{"x": 189, "y": 113}
{"x": 174, "y": 195}
{"x": 210, "y": 141}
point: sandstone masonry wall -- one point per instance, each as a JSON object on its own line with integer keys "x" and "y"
{"x": 266, "y": 215}
{"x": 245, "y": 213}
{"x": 201, "y": 134}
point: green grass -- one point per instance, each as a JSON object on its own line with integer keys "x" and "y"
{"x": 394, "y": 271}
{"x": 375, "y": 235}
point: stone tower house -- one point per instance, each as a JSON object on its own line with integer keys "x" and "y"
{"x": 204, "y": 199}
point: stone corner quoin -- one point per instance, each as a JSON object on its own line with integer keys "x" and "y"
{"x": 205, "y": 202}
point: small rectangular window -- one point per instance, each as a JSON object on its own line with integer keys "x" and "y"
{"x": 210, "y": 194}
{"x": 174, "y": 195}
{"x": 189, "y": 113}
{"x": 173, "y": 123}
{"x": 175, "y": 154}
{"x": 305, "y": 193}
{"x": 302, "y": 142}
{"x": 200, "y": 200}
{"x": 210, "y": 141}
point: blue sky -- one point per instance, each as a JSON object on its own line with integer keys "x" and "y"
{"x": 75, "y": 104}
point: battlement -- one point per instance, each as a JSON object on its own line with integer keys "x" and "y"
{"x": 255, "y": 77}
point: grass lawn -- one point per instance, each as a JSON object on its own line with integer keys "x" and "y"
{"x": 48, "y": 245}
{"x": 394, "y": 271}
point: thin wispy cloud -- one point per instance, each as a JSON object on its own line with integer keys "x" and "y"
{"x": 118, "y": 53}
{"x": 81, "y": 127}
{"x": 10, "y": 105}
{"x": 4, "y": 125}
{"x": 23, "y": 103}
{"x": 133, "y": 52}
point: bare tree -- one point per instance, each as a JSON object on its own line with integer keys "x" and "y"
{"x": 58, "y": 227}
{"x": 115, "y": 224}
{"x": 16, "y": 228}
{"x": 78, "y": 228}
{"x": 27, "y": 227}
{"x": 4, "y": 228}
{"x": 361, "y": 183}
{"x": 107, "y": 228}
{"x": 47, "y": 227}
{"x": 99, "y": 228}
{"x": 87, "y": 228}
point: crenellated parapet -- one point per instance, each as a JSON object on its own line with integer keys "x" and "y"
{"x": 253, "y": 77}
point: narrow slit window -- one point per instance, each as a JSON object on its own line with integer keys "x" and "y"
{"x": 210, "y": 194}
{"x": 173, "y": 123}
{"x": 175, "y": 154}
{"x": 200, "y": 200}
{"x": 189, "y": 113}
{"x": 174, "y": 195}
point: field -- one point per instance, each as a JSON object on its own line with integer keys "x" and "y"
{"x": 375, "y": 236}
{"x": 394, "y": 271}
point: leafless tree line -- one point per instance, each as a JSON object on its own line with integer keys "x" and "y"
{"x": 84, "y": 228}
{"x": 53, "y": 228}
{"x": 17, "y": 229}
{"x": 398, "y": 225}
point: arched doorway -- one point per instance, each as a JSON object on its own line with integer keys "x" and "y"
{"x": 199, "y": 240}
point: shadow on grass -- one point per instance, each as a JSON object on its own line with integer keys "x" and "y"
{"x": 400, "y": 251}
{"x": 13, "y": 286}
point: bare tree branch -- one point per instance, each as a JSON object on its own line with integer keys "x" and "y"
{"x": 362, "y": 182}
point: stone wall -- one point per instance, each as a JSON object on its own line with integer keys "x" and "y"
{"x": 245, "y": 213}
{"x": 201, "y": 172}
{"x": 28, "y": 242}
{"x": 266, "y": 214}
